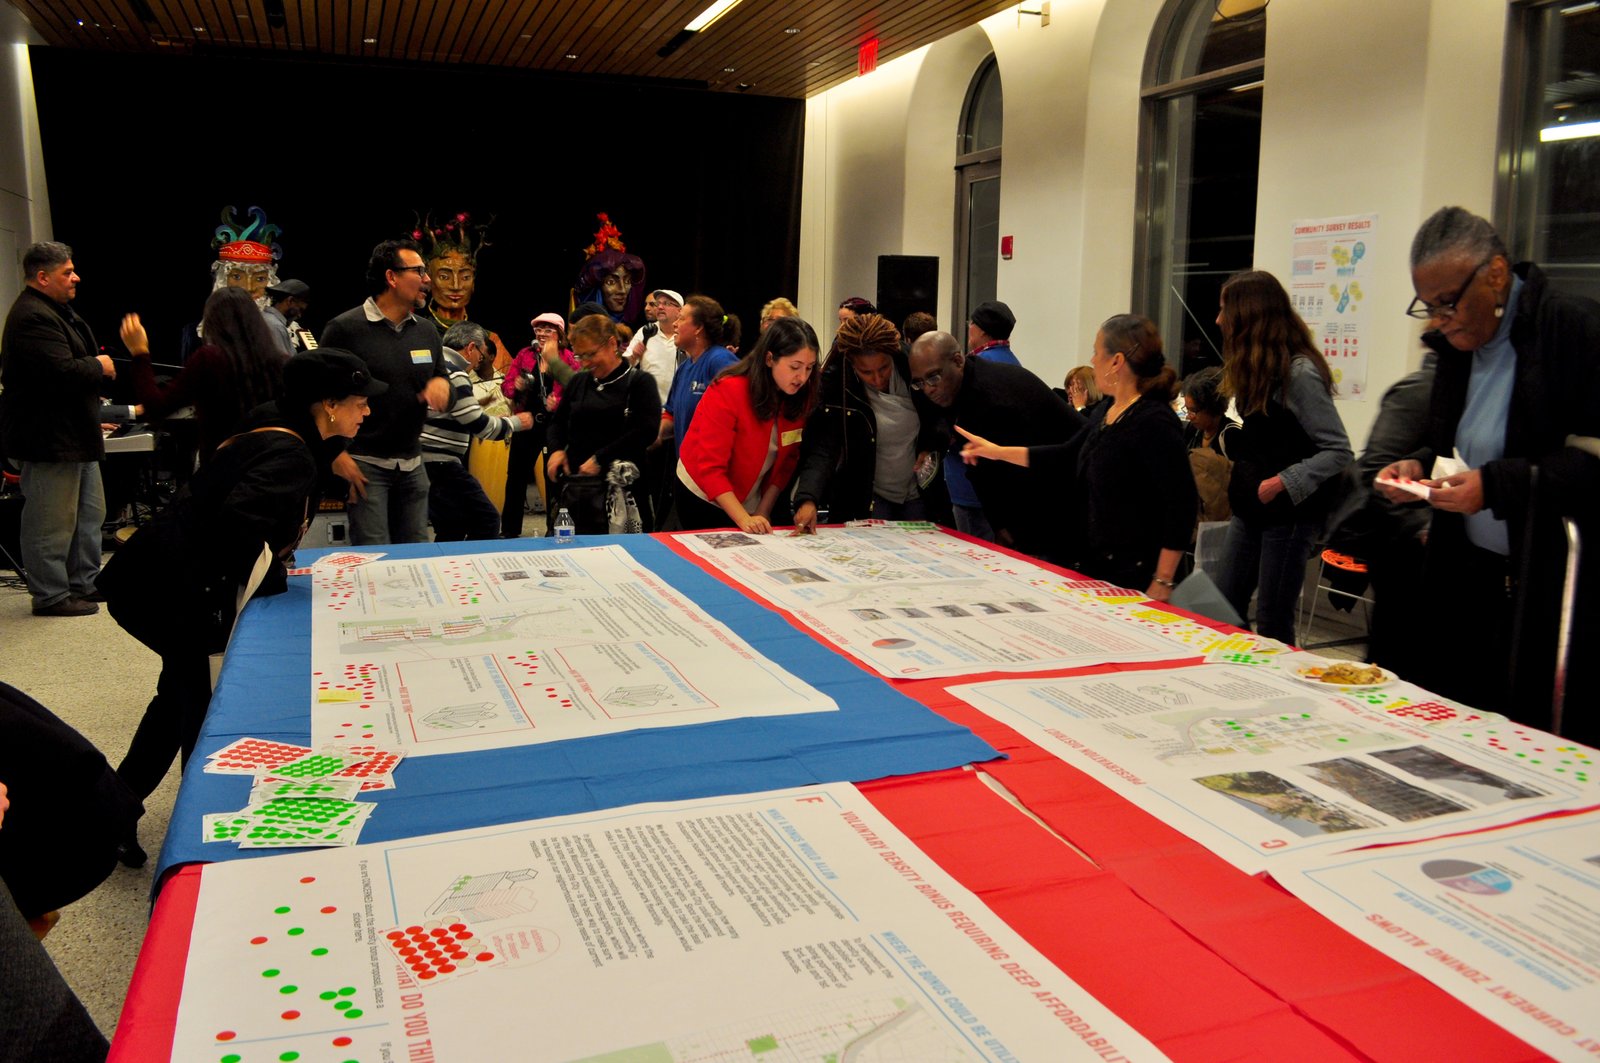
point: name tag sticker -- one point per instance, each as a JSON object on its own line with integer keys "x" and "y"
{"x": 422, "y": 357}
{"x": 789, "y": 438}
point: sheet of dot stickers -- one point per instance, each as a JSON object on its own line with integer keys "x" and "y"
{"x": 295, "y": 822}
{"x": 1257, "y": 764}
{"x": 373, "y": 766}
{"x": 925, "y": 604}
{"x": 446, "y": 654}
{"x": 756, "y": 926}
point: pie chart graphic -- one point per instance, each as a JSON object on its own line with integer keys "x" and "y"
{"x": 1468, "y": 877}
{"x": 894, "y": 644}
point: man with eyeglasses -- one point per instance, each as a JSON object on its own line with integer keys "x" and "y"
{"x": 1517, "y": 394}
{"x": 388, "y": 484}
{"x": 1015, "y": 407}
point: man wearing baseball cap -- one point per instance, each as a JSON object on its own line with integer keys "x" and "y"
{"x": 286, "y": 301}
{"x": 652, "y": 349}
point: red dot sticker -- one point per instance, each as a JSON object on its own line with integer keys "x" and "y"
{"x": 226, "y": 1035}
{"x": 309, "y": 878}
{"x": 340, "y": 1042}
{"x": 291, "y": 1014}
{"x": 329, "y": 910}
{"x": 258, "y": 940}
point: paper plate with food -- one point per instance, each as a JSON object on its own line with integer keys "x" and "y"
{"x": 1349, "y": 674}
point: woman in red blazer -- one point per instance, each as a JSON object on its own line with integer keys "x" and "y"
{"x": 744, "y": 442}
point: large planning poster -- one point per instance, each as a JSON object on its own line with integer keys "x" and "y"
{"x": 1507, "y": 921}
{"x": 791, "y": 925}
{"x": 1258, "y": 766}
{"x": 923, "y": 604}
{"x": 478, "y": 651}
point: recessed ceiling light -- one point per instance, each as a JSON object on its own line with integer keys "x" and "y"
{"x": 369, "y": 40}
{"x": 80, "y": 22}
{"x": 814, "y": 62}
{"x": 198, "y": 29}
{"x": 572, "y": 55}
{"x": 792, "y": 29}
{"x": 525, "y": 36}
{"x": 727, "y": 70}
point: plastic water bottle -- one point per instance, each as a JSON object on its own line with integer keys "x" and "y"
{"x": 566, "y": 531}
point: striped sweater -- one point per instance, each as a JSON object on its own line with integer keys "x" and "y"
{"x": 445, "y": 436}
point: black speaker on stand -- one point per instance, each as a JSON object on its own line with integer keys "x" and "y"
{"x": 906, "y": 284}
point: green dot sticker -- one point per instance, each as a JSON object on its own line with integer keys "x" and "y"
{"x": 286, "y": 990}
{"x": 327, "y": 995}
{"x": 284, "y": 910}
{"x": 231, "y": 1058}
{"x": 319, "y": 952}
{"x": 289, "y": 1057}
{"x": 353, "y": 1013}
{"x": 270, "y": 972}
{"x": 343, "y": 1005}
{"x": 347, "y": 991}
{"x": 296, "y": 931}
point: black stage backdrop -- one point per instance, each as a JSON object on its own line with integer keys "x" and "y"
{"x": 142, "y": 153}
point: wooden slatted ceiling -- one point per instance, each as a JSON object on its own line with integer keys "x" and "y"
{"x": 617, "y": 38}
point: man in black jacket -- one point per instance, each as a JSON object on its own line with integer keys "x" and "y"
{"x": 52, "y": 372}
{"x": 388, "y": 483}
{"x": 1004, "y": 403}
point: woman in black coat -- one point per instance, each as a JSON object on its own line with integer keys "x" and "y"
{"x": 1127, "y": 471}
{"x": 173, "y": 585}
{"x": 873, "y": 446}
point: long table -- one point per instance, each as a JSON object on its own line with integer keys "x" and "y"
{"x": 1205, "y": 961}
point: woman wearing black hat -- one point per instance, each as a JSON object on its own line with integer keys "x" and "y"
{"x": 174, "y": 585}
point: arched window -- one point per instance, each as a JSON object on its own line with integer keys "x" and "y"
{"x": 978, "y": 194}
{"x": 1548, "y": 197}
{"x": 1199, "y": 153}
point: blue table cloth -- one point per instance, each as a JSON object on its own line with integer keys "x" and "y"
{"x": 264, "y": 692}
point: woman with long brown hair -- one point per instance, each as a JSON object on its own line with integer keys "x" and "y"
{"x": 744, "y": 444}
{"x": 238, "y": 369}
{"x": 1287, "y": 457}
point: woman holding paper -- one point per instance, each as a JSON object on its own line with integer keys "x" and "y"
{"x": 1286, "y": 458}
{"x": 1517, "y": 396}
{"x": 744, "y": 443}
{"x": 174, "y": 584}
{"x": 1127, "y": 467}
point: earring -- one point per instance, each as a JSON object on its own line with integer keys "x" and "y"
{"x": 1500, "y": 311}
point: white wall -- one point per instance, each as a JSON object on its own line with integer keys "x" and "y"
{"x": 1387, "y": 106}
{"x": 24, "y": 205}
{"x": 1377, "y": 106}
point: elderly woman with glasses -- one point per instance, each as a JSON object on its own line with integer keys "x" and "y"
{"x": 1517, "y": 396}
{"x": 609, "y": 414}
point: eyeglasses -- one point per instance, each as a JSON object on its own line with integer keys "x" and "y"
{"x": 419, "y": 269}
{"x": 930, "y": 381}
{"x": 1445, "y": 310}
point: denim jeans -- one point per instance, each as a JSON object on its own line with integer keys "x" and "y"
{"x": 395, "y": 509}
{"x": 910, "y": 509}
{"x": 1269, "y": 560}
{"x": 63, "y": 509}
{"x": 971, "y": 521}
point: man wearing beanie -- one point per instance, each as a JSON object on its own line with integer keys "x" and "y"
{"x": 988, "y": 337}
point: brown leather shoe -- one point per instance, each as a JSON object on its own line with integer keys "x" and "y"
{"x": 67, "y": 607}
